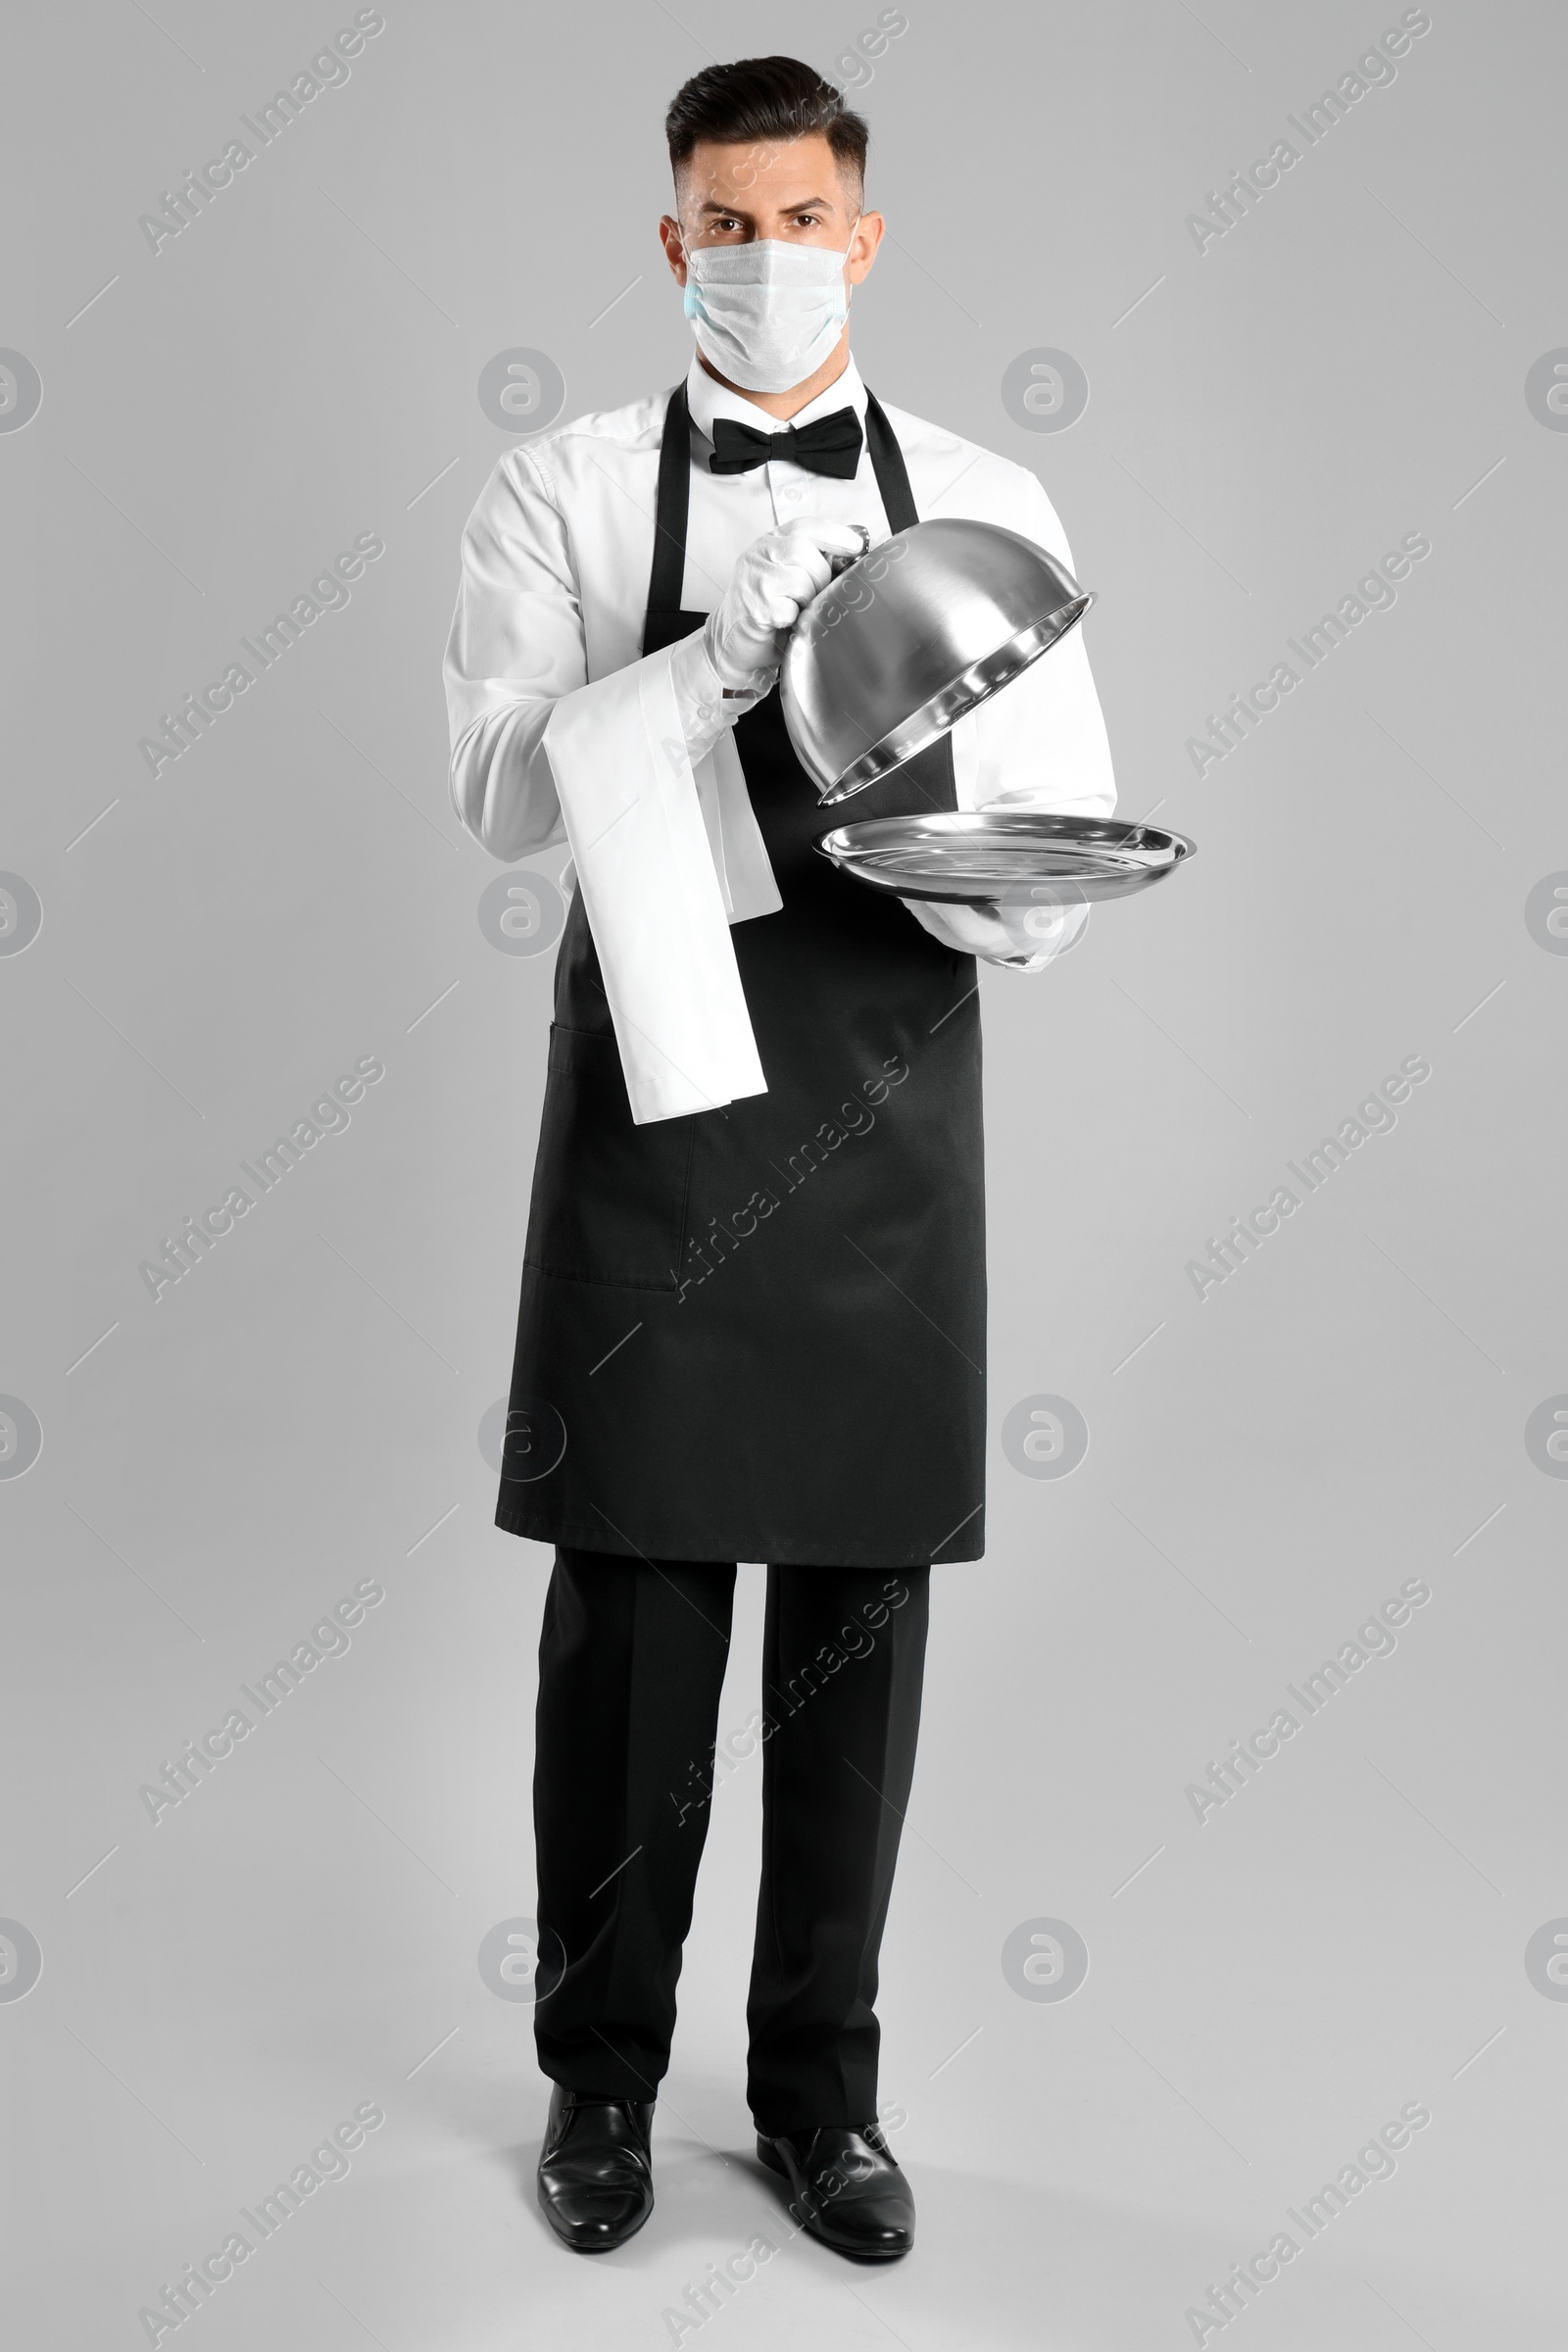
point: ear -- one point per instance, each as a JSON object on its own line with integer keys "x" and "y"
{"x": 674, "y": 245}
{"x": 863, "y": 246}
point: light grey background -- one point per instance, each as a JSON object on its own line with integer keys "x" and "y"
{"x": 1265, "y": 418}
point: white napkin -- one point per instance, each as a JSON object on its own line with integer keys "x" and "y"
{"x": 644, "y": 847}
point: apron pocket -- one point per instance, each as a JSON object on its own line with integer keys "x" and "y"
{"x": 609, "y": 1196}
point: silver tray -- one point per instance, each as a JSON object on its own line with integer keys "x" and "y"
{"x": 985, "y": 856}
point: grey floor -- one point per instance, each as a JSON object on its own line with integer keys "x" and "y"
{"x": 300, "y": 1938}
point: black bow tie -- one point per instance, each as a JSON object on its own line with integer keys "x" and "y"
{"x": 830, "y": 446}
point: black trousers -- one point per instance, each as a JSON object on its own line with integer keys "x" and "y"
{"x": 631, "y": 1658}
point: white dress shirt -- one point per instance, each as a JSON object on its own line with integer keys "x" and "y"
{"x": 563, "y": 731}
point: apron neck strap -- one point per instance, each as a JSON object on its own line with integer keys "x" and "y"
{"x": 669, "y": 575}
{"x": 667, "y": 578}
{"x": 887, "y": 462}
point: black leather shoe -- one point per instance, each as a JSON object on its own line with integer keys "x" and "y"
{"x": 849, "y": 2191}
{"x": 595, "y": 2183}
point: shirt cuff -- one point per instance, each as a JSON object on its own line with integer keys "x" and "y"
{"x": 706, "y": 711}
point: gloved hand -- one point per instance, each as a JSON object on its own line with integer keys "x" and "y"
{"x": 772, "y": 579}
{"x": 1027, "y": 937}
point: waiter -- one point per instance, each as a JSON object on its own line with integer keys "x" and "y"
{"x": 753, "y": 1315}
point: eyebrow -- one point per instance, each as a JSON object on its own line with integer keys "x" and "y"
{"x": 805, "y": 204}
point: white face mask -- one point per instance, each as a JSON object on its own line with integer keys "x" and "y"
{"x": 767, "y": 314}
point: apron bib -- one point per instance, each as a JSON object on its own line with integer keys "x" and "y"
{"x": 758, "y": 1332}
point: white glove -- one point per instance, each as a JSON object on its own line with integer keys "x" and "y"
{"x": 773, "y": 578}
{"x": 1023, "y": 936}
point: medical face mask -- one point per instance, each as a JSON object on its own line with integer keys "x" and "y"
{"x": 767, "y": 314}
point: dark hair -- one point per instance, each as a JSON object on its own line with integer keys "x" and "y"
{"x": 763, "y": 98}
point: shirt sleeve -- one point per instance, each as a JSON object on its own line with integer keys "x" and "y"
{"x": 1040, "y": 743}
{"x": 542, "y": 754}
{"x": 516, "y": 647}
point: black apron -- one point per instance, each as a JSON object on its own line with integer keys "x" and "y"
{"x": 758, "y": 1332}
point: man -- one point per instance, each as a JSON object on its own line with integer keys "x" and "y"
{"x": 752, "y": 1314}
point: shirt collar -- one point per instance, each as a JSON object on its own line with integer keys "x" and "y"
{"x": 707, "y": 399}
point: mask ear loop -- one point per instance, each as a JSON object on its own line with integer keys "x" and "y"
{"x": 849, "y": 290}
